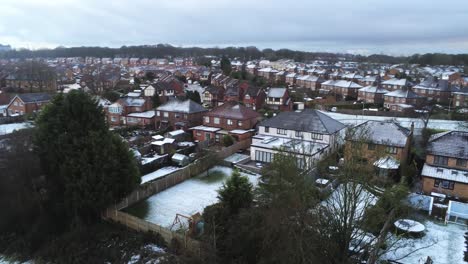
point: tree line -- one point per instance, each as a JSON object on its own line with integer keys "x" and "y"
{"x": 243, "y": 53}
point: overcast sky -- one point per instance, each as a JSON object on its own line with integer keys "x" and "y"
{"x": 355, "y": 26}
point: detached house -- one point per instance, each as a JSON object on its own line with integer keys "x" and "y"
{"x": 27, "y": 103}
{"x": 385, "y": 144}
{"x": 278, "y": 99}
{"x": 308, "y": 135}
{"x": 179, "y": 114}
{"x": 231, "y": 118}
{"x": 446, "y": 167}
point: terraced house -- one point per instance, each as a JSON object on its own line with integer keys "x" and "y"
{"x": 446, "y": 167}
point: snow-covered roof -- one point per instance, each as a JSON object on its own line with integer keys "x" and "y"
{"x": 164, "y": 141}
{"x": 404, "y": 93}
{"x": 239, "y": 131}
{"x": 176, "y": 132}
{"x": 347, "y": 84}
{"x": 374, "y": 89}
{"x": 395, "y": 81}
{"x": 187, "y": 106}
{"x": 382, "y": 132}
{"x": 388, "y": 163}
{"x": 147, "y": 114}
{"x": 445, "y": 173}
{"x": 206, "y": 128}
{"x": 276, "y": 92}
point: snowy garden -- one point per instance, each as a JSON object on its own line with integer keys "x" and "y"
{"x": 187, "y": 198}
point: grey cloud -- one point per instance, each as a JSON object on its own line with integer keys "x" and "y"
{"x": 398, "y": 26}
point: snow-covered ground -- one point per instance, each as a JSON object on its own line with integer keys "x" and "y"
{"x": 186, "y": 198}
{"x": 445, "y": 244}
{"x": 158, "y": 173}
{"x": 9, "y": 128}
{"x": 404, "y": 121}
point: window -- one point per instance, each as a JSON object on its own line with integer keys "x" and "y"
{"x": 267, "y": 129}
{"x": 207, "y": 119}
{"x": 461, "y": 162}
{"x": 113, "y": 119}
{"x": 444, "y": 184}
{"x": 229, "y": 122}
{"x": 392, "y": 150}
{"x": 298, "y": 133}
{"x": 316, "y": 136}
{"x": 132, "y": 120}
{"x": 280, "y": 131}
{"x": 263, "y": 156}
{"x": 15, "y": 103}
{"x": 177, "y": 115}
{"x": 439, "y": 160}
{"x": 158, "y": 113}
{"x": 239, "y": 123}
{"x": 166, "y": 114}
{"x": 371, "y": 146}
{"x": 216, "y": 120}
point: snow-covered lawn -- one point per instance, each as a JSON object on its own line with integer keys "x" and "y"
{"x": 445, "y": 244}
{"x": 158, "y": 173}
{"x": 186, "y": 198}
{"x": 10, "y": 128}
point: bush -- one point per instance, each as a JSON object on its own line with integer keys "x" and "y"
{"x": 228, "y": 140}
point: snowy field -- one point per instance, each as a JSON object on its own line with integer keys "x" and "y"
{"x": 186, "y": 198}
{"x": 9, "y": 128}
{"x": 445, "y": 244}
{"x": 404, "y": 121}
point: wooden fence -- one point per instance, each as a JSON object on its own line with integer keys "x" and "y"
{"x": 145, "y": 190}
{"x": 135, "y": 223}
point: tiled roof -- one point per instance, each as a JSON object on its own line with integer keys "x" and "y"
{"x": 451, "y": 144}
{"x": 308, "y": 120}
{"x": 188, "y": 106}
{"x": 233, "y": 110}
{"x": 34, "y": 97}
{"x": 276, "y": 92}
{"x": 382, "y": 132}
{"x": 445, "y": 173}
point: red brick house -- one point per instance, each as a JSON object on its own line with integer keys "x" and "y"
{"x": 212, "y": 95}
{"x": 439, "y": 91}
{"x": 278, "y": 99}
{"x": 178, "y": 114}
{"x": 143, "y": 119}
{"x": 460, "y": 98}
{"x": 116, "y": 113}
{"x": 399, "y": 100}
{"x": 254, "y": 98}
{"x": 27, "y": 103}
{"x": 231, "y": 118}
